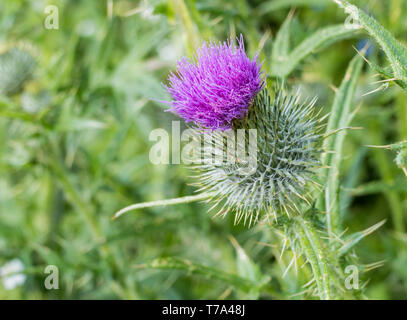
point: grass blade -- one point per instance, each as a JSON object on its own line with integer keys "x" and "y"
{"x": 270, "y": 6}
{"x": 198, "y": 269}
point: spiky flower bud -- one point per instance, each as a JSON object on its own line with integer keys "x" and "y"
{"x": 16, "y": 67}
{"x": 288, "y": 141}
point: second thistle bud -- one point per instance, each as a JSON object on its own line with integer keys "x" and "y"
{"x": 16, "y": 67}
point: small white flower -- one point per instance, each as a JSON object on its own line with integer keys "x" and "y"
{"x": 9, "y": 274}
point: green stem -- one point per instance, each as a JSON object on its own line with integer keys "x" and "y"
{"x": 159, "y": 203}
{"x": 316, "y": 256}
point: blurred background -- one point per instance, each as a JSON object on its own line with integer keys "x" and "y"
{"x": 76, "y": 111}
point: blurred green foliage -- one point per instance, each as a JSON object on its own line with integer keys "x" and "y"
{"x": 75, "y": 144}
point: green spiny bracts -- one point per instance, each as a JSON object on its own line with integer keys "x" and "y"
{"x": 401, "y": 159}
{"x": 16, "y": 67}
{"x": 278, "y": 180}
{"x": 395, "y": 51}
{"x": 306, "y": 237}
{"x": 400, "y": 148}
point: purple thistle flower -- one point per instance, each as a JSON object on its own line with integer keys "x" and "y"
{"x": 215, "y": 87}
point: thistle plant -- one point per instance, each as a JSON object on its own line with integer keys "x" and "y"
{"x": 16, "y": 67}
{"x": 221, "y": 90}
{"x": 222, "y": 93}
{"x": 284, "y": 182}
{"x": 289, "y": 182}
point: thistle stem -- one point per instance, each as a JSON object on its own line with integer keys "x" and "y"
{"x": 315, "y": 254}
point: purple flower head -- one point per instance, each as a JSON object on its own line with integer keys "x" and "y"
{"x": 215, "y": 87}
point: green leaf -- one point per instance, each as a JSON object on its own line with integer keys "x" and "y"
{"x": 353, "y": 239}
{"x": 194, "y": 268}
{"x": 81, "y": 124}
{"x": 274, "y": 5}
{"x": 394, "y": 50}
{"x": 281, "y": 45}
{"x": 318, "y": 39}
{"x": 339, "y": 118}
{"x": 247, "y": 269}
{"x": 378, "y": 187}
